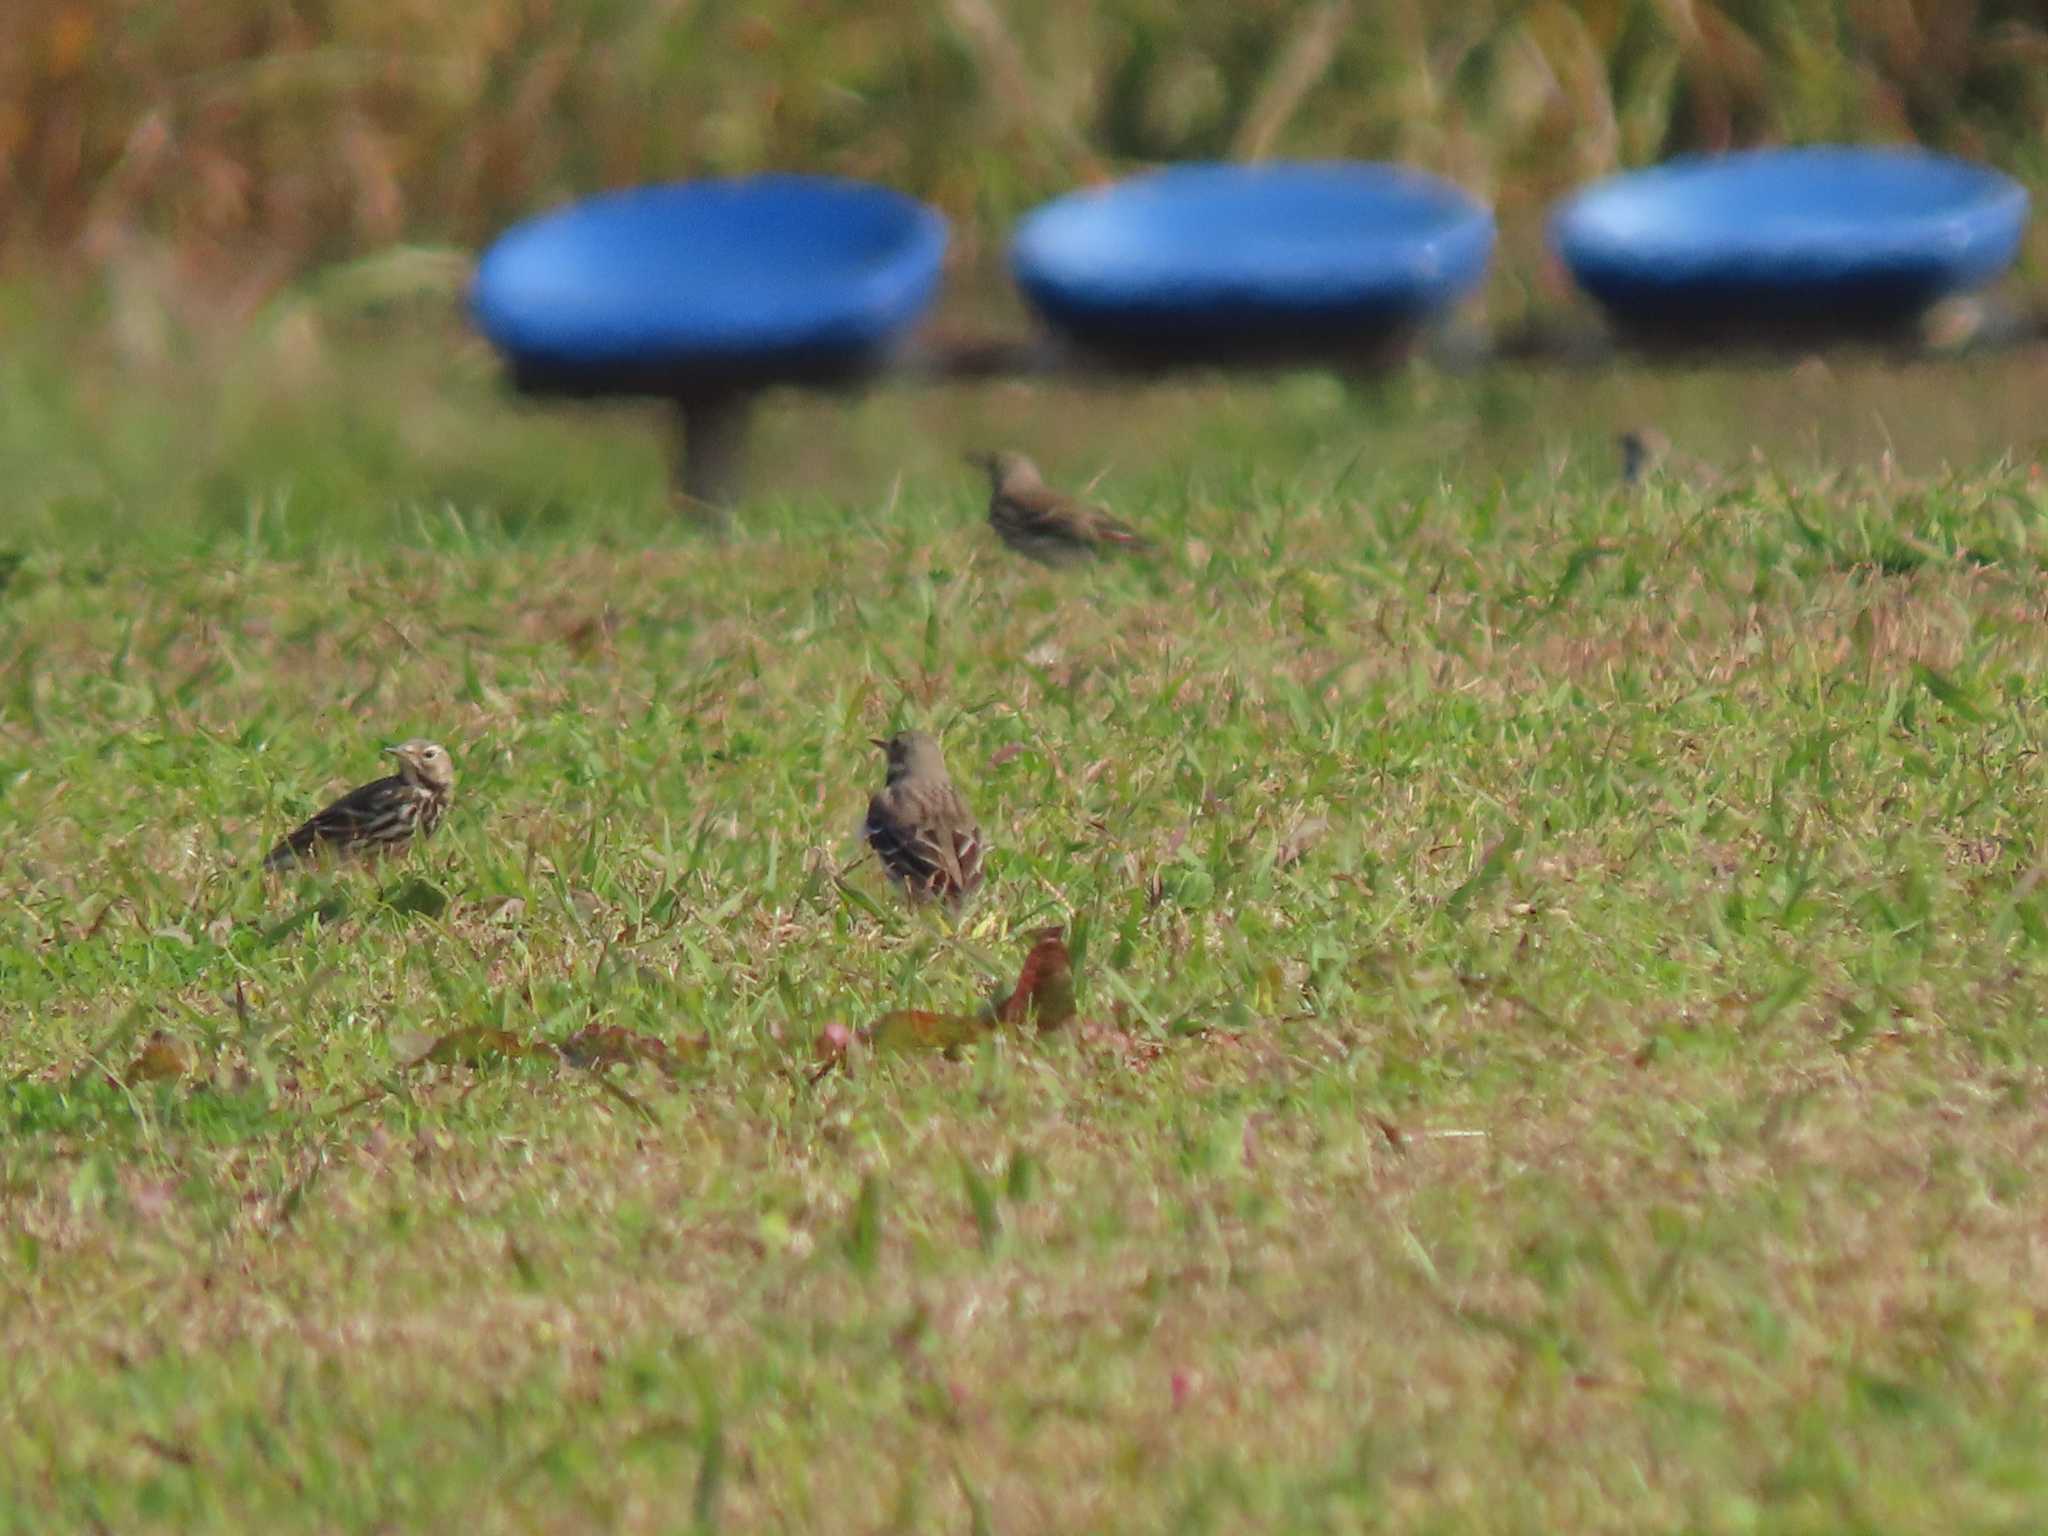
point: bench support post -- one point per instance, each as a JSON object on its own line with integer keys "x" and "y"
{"x": 711, "y": 454}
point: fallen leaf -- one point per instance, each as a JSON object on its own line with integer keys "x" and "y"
{"x": 597, "y": 1047}
{"x": 1045, "y": 987}
{"x": 913, "y": 1029}
{"x": 475, "y": 1046}
{"x": 161, "y": 1060}
{"x": 1044, "y": 994}
{"x": 834, "y": 1041}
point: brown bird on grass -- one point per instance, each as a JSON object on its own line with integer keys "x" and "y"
{"x": 920, "y": 826}
{"x": 380, "y": 817}
{"x": 1043, "y": 524}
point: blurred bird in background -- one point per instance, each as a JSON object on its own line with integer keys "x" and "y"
{"x": 1043, "y": 524}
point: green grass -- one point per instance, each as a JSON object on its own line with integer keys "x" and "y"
{"x": 1563, "y": 973}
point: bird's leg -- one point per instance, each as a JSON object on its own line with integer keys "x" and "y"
{"x": 711, "y": 453}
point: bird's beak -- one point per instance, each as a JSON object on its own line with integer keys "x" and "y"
{"x": 394, "y": 751}
{"x": 877, "y": 741}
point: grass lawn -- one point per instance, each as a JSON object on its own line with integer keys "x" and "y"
{"x": 1562, "y": 972}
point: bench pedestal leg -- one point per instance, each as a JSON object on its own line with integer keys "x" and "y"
{"x": 711, "y": 453}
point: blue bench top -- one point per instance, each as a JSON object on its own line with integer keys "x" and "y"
{"x": 709, "y": 283}
{"x": 1791, "y": 232}
{"x": 1210, "y": 254}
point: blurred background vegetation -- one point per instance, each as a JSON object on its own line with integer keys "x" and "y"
{"x": 234, "y": 234}
{"x": 230, "y": 145}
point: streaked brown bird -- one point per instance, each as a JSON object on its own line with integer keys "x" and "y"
{"x": 919, "y": 824}
{"x": 380, "y": 817}
{"x": 1044, "y": 524}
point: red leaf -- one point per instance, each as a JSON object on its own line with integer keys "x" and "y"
{"x": 1045, "y": 987}
{"x": 1044, "y": 994}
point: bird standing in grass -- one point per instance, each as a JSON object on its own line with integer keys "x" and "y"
{"x": 920, "y": 826}
{"x": 1044, "y": 524}
{"x": 380, "y": 817}
{"x": 1647, "y": 453}
{"x": 1643, "y": 449}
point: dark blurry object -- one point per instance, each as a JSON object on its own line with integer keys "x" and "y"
{"x": 1647, "y": 454}
{"x": 1642, "y": 450}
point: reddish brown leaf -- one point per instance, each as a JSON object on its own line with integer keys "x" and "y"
{"x": 475, "y": 1046}
{"x": 1044, "y": 994}
{"x": 599, "y": 1047}
{"x": 161, "y": 1060}
{"x": 1045, "y": 987}
{"x": 833, "y": 1044}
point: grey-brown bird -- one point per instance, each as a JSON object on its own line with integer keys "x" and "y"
{"x": 1044, "y": 524}
{"x": 919, "y": 824}
{"x": 381, "y": 817}
{"x": 1646, "y": 452}
{"x": 1643, "y": 449}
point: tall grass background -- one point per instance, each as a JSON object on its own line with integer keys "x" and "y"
{"x": 231, "y": 144}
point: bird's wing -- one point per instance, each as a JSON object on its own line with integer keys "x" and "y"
{"x": 913, "y": 836}
{"x": 371, "y": 813}
{"x": 941, "y": 816}
{"x": 967, "y": 851}
{"x": 945, "y": 823}
{"x": 1046, "y": 514}
{"x": 896, "y": 842}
